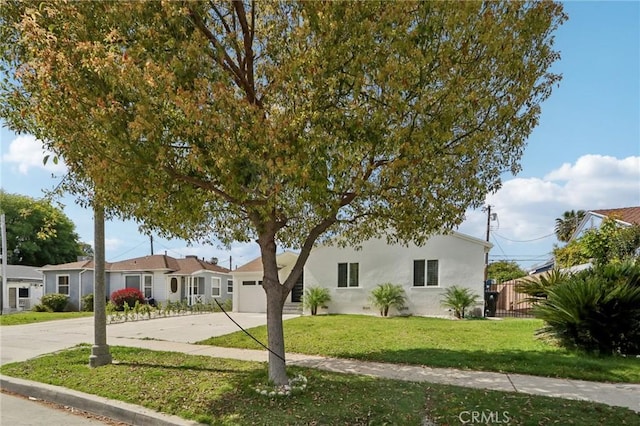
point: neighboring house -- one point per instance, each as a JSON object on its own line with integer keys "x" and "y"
{"x": 626, "y": 216}
{"x": 24, "y": 287}
{"x": 159, "y": 277}
{"x": 424, "y": 272}
{"x": 248, "y": 294}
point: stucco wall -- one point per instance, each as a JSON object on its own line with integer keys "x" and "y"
{"x": 460, "y": 262}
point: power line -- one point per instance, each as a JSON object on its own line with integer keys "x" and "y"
{"x": 524, "y": 241}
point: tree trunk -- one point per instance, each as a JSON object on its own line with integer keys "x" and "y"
{"x": 275, "y": 336}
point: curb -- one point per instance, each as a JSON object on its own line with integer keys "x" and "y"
{"x": 111, "y": 408}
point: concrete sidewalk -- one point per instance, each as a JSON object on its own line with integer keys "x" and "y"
{"x": 174, "y": 335}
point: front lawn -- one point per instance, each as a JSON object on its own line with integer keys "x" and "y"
{"x": 504, "y": 346}
{"x": 29, "y": 317}
{"x": 222, "y": 392}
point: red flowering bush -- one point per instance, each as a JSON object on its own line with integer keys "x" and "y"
{"x": 129, "y": 295}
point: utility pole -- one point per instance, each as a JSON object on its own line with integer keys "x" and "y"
{"x": 151, "y": 240}
{"x": 487, "y": 208}
{"x": 100, "y": 354}
{"x": 4, "y": 293}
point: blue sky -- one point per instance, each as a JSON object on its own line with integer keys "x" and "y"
{"x": 585, "y": 153}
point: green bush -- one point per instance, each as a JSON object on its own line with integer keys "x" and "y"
{"x": 315, "y": 297}
{"x": 55, "y": 302}
{"x": 459, "y": 299}
{"x": 87, "y": 303}
{"x": 40, "y": 308}
{"x": 596, "y": 310}
{"x": 386, "y": 296}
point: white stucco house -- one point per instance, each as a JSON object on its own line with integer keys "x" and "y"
{"x": 248, "y": 294}
{"x": 423, "y": 271}
{"x": 349, "y": 274}
{"x": 159, "y": 277}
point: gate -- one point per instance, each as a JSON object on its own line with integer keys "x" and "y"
{"x": 508, "y": 302}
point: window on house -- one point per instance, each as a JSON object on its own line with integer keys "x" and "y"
{"x": 348, "y": 274}
{"x": 132, "y": 281}
{"x": 425, "y": 272}
{"x": 63, "y": 284}
{"x": 248, "y": 283}
{"x": 432, "y": 273}
{"x": 148, "y": 286}
{"x": 197, "y": 286}
{"x": 173, "y": 285}
{"x": 215, "y": 286}
{"x": 23, "y": 292}
{"x": 229, "y": 286}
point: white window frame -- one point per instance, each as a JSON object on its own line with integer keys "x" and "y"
{"x": 150, "y": 286}
{"x": 229, "y": 286}
{"x": 67, "y": 285}
{"x": 350, "y": 276}
{"x": 424, "y": 282}
{"x": 216, "y": 288}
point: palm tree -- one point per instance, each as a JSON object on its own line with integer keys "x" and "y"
{"x": 386, "y": 296}
{"x": 567, "y": 224}
{"x": 315, "y": 297}
{"x": 459, "y": 299}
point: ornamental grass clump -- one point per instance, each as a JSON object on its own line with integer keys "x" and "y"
{"x": 386, "y": 296}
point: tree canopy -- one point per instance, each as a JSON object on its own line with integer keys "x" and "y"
{"x": 610, "y": 243}
{"x": 282, "y": 122}
{"x": 37, "y": 232}
{"x": 504, "y": 270}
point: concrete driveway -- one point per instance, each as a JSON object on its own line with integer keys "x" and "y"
{"x": 21, "y": 342}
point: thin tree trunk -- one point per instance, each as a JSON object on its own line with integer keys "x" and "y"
{"x": 275, "y": 336}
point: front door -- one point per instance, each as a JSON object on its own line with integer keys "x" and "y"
{"x": 298, "y": 290}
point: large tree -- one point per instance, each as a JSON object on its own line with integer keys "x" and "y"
{"x": 505, "y": 270}
{"x": 37, "y": 232}
{"x": 282, "y": 122}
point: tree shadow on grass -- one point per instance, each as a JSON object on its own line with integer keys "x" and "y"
{"x": 548, "y": 364}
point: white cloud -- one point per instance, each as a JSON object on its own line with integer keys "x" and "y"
{"x": 113, "y": 244}
{"x": 27, "y": 152}
{"x": 527, "y": 207}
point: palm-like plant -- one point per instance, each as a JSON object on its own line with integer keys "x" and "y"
{"x": 459, "y": 299}
{"x": 315, "y": 297}
{"x": 386, "y": 296}
{"x": 537, "y": 287}
{"x": 567, "y": 224}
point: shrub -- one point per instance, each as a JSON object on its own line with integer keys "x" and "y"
{"x": 87, "y": 303}
{"x": 315, "y": 297}
{"x": 128, "y": 295}
{"x": 40, "y": 308}
{"x": 55, "y": 302}
{"x": 386, "y": 296}
{"x": 459, "y": 299}
{"x": 595, "y": 310}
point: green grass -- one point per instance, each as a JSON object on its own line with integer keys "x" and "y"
{"x": 221, "y": 392}
{"x": 503, "y": 346}
{"x": 31, "y": 317}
